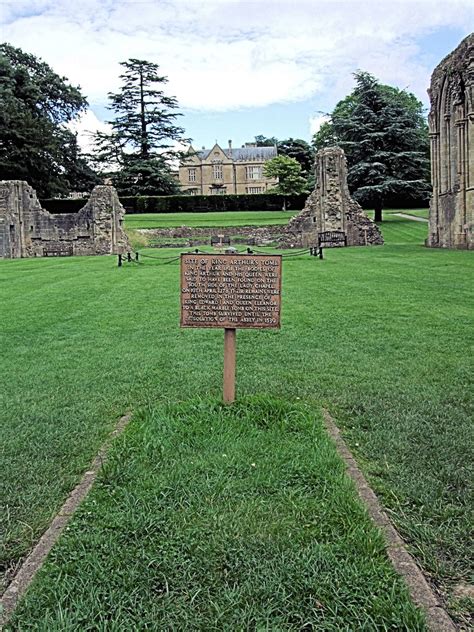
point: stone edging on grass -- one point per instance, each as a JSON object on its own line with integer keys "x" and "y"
{"x": 32, "y": 564}
{"x": 437, "y": 618}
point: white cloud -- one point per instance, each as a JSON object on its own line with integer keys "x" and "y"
{"x": 226, "y": 54}
{"x": 86, "y": 126}
{"x": 315, "y": 123}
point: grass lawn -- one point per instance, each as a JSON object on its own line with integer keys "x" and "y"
{"x": 208, "y": 220}
{"x": 381, "y": 336}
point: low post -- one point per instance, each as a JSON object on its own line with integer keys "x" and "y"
{"x": 119, "y": 261}
{"x": 129, "y": 256}
{"x": 321, "y": 252}
{"x": 229, "y": 365}
{"x": 136, "y": 256}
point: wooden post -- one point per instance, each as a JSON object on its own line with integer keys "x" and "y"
{"x": 229, "y": 365}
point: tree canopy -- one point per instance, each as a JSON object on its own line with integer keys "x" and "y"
{"x": 137, "y": 152}
{"x": 35, "y": 144}
{"x": 288, "y": 172}
{"x": 384, "y": 134}
{"x": 296, "y": 148}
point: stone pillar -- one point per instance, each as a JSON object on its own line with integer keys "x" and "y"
{"x": 451, "y": 122}
{"x": 331, "y": 208}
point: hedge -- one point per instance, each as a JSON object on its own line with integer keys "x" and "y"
{"x": 189, "y": 203}
{"x": 210, "y": 203}
{"x": 63, "y": 205}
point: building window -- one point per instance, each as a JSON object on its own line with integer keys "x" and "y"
{"x": 192, "y": 175}
{"x": 253, "y": 173}
{"x": 254, "y": 189}
{"x": 192, "y": 191}
{"x": 217, "y": 172}
{"x": 218, "y": 190}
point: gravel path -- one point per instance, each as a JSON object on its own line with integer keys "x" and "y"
{"x": 415, "y": 219}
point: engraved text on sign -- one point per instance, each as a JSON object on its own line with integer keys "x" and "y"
{"x": 230, "y": 290}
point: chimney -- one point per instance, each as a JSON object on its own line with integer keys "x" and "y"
{"x": 230, "y": 144}
{"x": 203, "y": 148}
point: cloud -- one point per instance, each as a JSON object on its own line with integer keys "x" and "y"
{"x": 315, "y": 123}
{"x": 86, "y": 126}
{"x": 222, "y": 55}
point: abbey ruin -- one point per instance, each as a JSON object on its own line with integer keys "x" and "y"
{"x": 27, "y": 230}
{"x": 451, "y": 122}
{"x": 331, "y": 208}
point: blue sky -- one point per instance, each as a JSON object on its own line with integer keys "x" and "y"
{"x": 240, "y": 67}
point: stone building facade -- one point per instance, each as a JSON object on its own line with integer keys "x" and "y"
{"x": 27, "y": 230}
{"x": 331, "y": 208}
{"x": 451, "y": 122}
{"x": 220, "y": 171}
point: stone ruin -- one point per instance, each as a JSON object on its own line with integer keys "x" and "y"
{"x": 27, "y": 230}
{"x": 451, "y": 122}
{"x": 331, "y": 208}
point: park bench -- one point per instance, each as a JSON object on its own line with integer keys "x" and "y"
{"x": 332, "y": 239}
{"x": 220, "y": 240}
{"x": 58, "y": 250}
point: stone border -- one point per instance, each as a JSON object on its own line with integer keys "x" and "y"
{"x": 35, "y": 560}
{"x": 437, "y": 618}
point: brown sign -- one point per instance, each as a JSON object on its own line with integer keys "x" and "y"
{"x": 232, "y": 291}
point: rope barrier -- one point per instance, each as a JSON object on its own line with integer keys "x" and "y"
{"x": 127, "y": 257}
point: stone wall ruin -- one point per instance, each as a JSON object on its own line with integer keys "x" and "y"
{"x": 27, "y": 230}
{"x": 451, "y": 122}
{"x": 330, "y": 207}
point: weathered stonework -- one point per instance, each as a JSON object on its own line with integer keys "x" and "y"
{"x": 27, "y": 230}
{"x": 330, "y": 207}
{"x": 451, "y": 122}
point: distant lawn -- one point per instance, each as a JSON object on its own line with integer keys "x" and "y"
{"x": 381, "y": 336}
{"x": 208, "y": 220}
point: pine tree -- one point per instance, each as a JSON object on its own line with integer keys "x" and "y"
{"x": 385, "y": 137}
{"x": 138, "y": 150}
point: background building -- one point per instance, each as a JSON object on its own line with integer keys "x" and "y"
{"x": 218, "y": 172}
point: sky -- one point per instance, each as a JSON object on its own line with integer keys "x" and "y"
{"x": 239, "y": 68}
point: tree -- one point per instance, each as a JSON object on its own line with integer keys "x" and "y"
{"x": 302, "y": 152}
{"x": 296, "y": 148}
{"x": 35, "y": 144}
{"x": 263, "y": 141}
{"x": 385, "y": 137}
{"x": 288, "y": 172}
{"x": 138, "y": 150}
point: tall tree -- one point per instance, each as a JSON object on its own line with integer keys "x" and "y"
{"x": 296, "y": 148}
{"x": 385, "y": 137}
{"x": 288, "y": 172}
{"x": 137, "y": 151}
{"x": 35, "y": 144}
{"x": 263, "y": 141}
{"x": 301, "y": 151}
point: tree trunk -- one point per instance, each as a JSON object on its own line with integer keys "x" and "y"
{"x": 144, "y": 139}
{"x": 378, "y": 211}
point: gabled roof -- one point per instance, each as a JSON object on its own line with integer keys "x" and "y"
{"x": 240, "y": 154}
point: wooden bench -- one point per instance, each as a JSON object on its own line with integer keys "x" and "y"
{"x": 58, "y": 250}
{"x": 332, "y": 239}
{"x": 220, "y": 240}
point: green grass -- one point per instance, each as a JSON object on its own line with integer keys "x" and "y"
{"x": 208, "y": 220}
{"x": 217, "y": 518}
{"x": 382, "y": 336}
